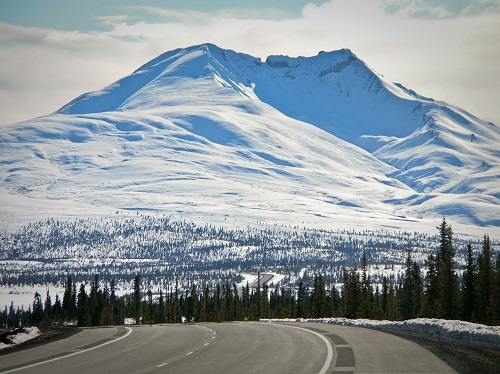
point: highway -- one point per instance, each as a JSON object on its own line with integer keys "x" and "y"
{"x": 245, "y": 347}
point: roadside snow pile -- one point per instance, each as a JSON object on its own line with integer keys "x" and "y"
{"x": 18, "y": 336}
{"x": 458, "y": 332}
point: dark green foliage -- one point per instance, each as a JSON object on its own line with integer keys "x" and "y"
{"x": 83, "y": 307}
{"x": 137, "y": 299}
{"x": 411, "y": 289}
{"x": 37, "y": 315}
{"x": 495, "y": 296}
{"x": 447, "y": 278}
{"x": 484, "y": 283}
{"x": 468, "y": 291}
{"x": 318, "y": 298}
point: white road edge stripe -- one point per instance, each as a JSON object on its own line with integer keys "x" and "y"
{"x": 329, "y": 356}
{"x": 71, "y": 354}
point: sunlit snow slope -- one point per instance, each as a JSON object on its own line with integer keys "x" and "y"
{"x": 219, "y": 136}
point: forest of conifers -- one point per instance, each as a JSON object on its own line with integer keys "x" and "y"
{"x": 475, "y": 296}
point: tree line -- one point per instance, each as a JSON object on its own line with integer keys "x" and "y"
{"x": 472, "y": 294}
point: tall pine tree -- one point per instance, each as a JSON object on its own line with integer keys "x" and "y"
{"x": 447, "y": 278}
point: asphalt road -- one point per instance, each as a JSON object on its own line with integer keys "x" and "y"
{"x": 226, "y": 348}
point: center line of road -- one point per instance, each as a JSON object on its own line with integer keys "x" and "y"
{"x": 71, "y": 354}
{"x": 159, "y": 366}
{"x": 207, "y": 343}
{"x": 189, "y": 353}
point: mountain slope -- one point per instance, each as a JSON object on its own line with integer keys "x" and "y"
{"x": 212, "y": 134}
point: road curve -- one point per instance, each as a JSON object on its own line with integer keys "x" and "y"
{"x": 207, "y": 348}
{"x": 227, "y": 348}
{"x": 361, "y": 350}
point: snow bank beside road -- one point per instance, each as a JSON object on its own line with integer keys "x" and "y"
{"x": 458, "y": 332}
{"x": 19, "y": 336}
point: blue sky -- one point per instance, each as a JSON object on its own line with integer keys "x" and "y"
{"x": 54, "y": 50}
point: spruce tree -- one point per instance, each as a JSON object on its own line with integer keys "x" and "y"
{"x": 301, "y": 296}
{"x": 137, "y": 299}
{"x": 83, "y": 309}
{"x": 384, "y": 303}
{"x": 37, "y": 315}
{"x": 68, "y": 303}
{"x": 366, "y": 295}
{"x": 411, "y": 288}
{"x": 447, "y": 278}
{"x": 318, "y": 297}
{"x": 468, "y": 291}
{"x": 431, "y": 296}
{"x": 484, "y": 282}
{"x": 57, "y": 309}
{"x": 495, "y": 295}
{"x": 47, "y": 307}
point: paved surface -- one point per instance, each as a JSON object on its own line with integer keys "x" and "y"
{"x": 203, "y": 348}
{"x": 227, "y": 348}
{"x": 360, "y": 350}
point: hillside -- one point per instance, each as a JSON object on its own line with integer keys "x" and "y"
{"x": 221, "y": 137}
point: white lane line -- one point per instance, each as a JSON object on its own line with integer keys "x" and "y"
{"x": 71, "y": 354}
{"x": 159, "y": 366}
{"x": 329, "y": 356}
{"x": 207, "y": 343}
{"x": 189, "y": 353}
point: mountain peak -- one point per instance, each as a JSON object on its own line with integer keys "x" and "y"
{"x": 285, "y": 121}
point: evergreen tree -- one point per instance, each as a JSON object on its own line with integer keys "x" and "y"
{"x": 37, "y": 315}
{"x": 484, "y": 282}
{"x": 301, "y": 296}
{"x": 447, "y": 278}
{"x": 334, "y": 302}
{"x": 137, "y": 299}
{"x": 47, "y": 307}
{"x": 94, "y": 302}
{"x": 411, "y": 289}
{"x": 160, "y": 317}
{"x": 366, "y": 294}
{"x": 431, "y": 298}
{"x": 191, "y": 304}
{"x": 318, "y": 299}
{"x": 384, "y": 303}
{"x": 57, "y": 309}
{"x": 495, "y": 295}
{"x": 351, "y": 294}
{"x": 468, "y": 292}
{"x": 68, "y": 306}
{"x": 235, "y": 305}
{"x": 83, "y": 309}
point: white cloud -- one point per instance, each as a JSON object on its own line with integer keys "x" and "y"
{"x": 452, "y": 60}
{"x": 112, "y": 20}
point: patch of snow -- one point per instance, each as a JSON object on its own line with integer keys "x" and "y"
{"x": 20, "y": 336}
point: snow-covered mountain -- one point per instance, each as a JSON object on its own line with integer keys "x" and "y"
{"x": 218, "y": 136}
